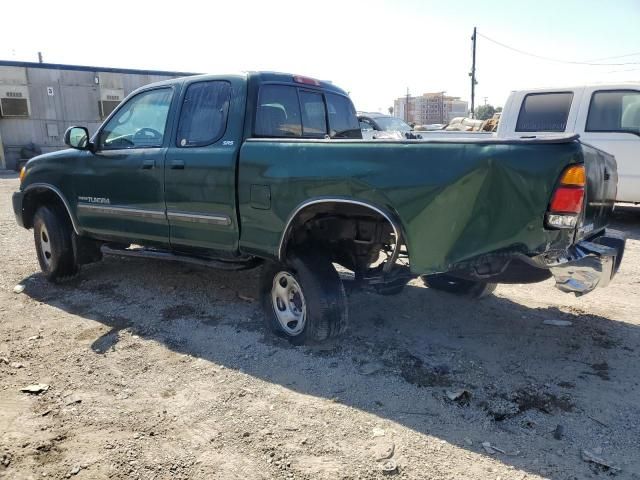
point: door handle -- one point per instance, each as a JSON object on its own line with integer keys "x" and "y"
{"x": 177, "y": 165}
{"x": 148, "y": 164}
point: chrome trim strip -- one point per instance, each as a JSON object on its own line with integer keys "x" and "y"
{"x": 115, "y": 210}
{"x": 396, "y": 230}
{"x": 215, "y": 219}
{"x": 55, "y": 190}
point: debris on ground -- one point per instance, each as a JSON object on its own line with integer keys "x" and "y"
{"x": 246, "y": 298}
{"x": 558, "y": 432}
{"x": 462, "y": 395}
{"x": 593, "y": 457}
{"x": 378, "y": 432}
{"x": 558, "y": 323}
{"x": 390, "y": 466}
{"x": 383, "y": 450}
{"x": 36, "y": 388}
{"x": 4, "y": 360}
{"x": 18, "y": 288}
{"x": 16, "y": 365}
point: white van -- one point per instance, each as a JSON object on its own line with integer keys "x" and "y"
{"x": 605, "y": 116}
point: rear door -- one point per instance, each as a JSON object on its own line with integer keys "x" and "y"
{"x": 200, "y": 168}
{"x": 610, "y": 121}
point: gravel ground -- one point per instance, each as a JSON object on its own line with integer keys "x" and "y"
{"x": 162, "y": 370}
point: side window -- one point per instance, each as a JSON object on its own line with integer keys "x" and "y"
{"x": 343, "y": 121}
{"x": 278, "y": 112}
{"x": 203, "y": 116}
{"x": 614, "y": 111}
{"x": 365, "y": 125}
{"x": 314, "y": 115}
{"x": 140, "y": 123}
{"x": 544, "y": 112}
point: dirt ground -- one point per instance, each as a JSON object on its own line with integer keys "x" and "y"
{"x": 161, "y": 370}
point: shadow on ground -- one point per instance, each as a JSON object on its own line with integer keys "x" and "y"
{"x": 399, "y": 359}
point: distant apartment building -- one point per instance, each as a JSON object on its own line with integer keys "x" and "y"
{"x": 430, "y": 108}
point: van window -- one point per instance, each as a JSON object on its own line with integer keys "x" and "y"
{"x": 614, "y": 111}
{"x": 544, "y": 112}
{"x": 203, "y": 117}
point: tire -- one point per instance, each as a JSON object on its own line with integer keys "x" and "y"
{"x": 52, "y": 234}
{"x": 304, "y": 300}
{"x": 459, "y": 286}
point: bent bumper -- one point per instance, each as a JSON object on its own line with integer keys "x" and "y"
{"x": 589, "y": 264}
{"x": 17, "y": 207}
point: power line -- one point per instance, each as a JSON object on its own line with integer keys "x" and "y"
{"x": 550, "y": 59}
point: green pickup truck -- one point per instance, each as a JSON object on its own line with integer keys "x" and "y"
{"x": 269, "y": 169}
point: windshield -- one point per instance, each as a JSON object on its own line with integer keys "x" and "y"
{"x": 392, "y": 123}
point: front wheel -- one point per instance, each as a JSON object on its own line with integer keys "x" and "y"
{"x": 459, "y": 286}
{"x": 304, "y": 300}
{"x": 52, "y": 234}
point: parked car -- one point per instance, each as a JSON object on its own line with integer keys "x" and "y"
{"x": 605, "y": 116}
{"x": 379, "y": 126}
{"x": 237, "y": 171}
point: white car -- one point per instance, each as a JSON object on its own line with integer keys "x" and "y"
{"x": 605, "y": 116}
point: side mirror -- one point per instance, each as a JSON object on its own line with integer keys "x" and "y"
{"x": 77, "y": 137}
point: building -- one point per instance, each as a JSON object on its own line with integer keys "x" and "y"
{"x": 430, "y": 108}
{"x": 39, "y": 101}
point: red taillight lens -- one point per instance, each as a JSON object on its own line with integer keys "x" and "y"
{"x": 567, "y": 200}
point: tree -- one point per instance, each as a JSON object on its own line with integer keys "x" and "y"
{"x": 483, "y": 112}
{"x": 390, "y": 110}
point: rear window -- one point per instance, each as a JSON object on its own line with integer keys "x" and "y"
{"x": 278, "y": 113}
{"x": 342, "y": 117}
{"x": 544, "y": 112}
{"x": 288, "y": 111}
{"x": 614, "y": 111}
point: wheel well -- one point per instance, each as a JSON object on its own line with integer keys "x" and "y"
{"x": 353, "y": 234}
{"x": 37, "y": 197}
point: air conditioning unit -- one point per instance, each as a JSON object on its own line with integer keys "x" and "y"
{"x": 110, "y": 98}
{"x": 14, "y": 101}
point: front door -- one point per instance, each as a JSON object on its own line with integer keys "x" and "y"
{"x": 200, "y": 168}
{"x": 120, "y": 185}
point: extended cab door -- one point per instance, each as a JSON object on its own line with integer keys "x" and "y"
{"x": 200, "y": 168}
{"x": 120, "y": 185}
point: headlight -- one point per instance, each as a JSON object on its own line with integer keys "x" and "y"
{"x": 23, "y": 173}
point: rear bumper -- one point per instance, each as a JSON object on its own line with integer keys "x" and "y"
{"x": 17, "y": 207}
{"x": 589, "y": 264}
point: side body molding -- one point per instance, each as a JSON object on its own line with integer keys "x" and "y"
{"x": 46, "y": 186}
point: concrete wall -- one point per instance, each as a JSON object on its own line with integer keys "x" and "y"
{"x": 60, "y": 96}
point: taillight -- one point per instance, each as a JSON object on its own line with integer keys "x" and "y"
{"x": 566, "y": 203}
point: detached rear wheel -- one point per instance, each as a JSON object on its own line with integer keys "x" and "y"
{"x": 459, "y": 286}
{"x": 304, "y": 300}
{"x": 52, "y": 234}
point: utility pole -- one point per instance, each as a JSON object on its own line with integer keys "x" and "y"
{"x": 406, "y": 107}
{"x": 473, "y": 75}
{"x": 39, "y": 57}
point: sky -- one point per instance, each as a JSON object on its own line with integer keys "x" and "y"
{"x": 374, "y": 49}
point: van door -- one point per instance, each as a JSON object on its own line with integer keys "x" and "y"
{"x": 611, "y": 122}
{"x": 200, "y": 169}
